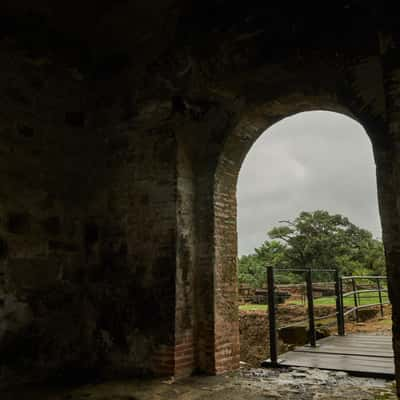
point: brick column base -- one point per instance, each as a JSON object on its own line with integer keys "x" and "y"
{"x": 227, "y": 348}
{"x": 176, "y": 360}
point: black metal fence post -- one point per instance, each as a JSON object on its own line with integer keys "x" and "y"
{"x": 310, "y": 303}
{"x": 342, "y": 305}
{"x": 273, "y": 344}
{"x": 339, "y": 305}
{"x": 353, "y": 283}
{"x": 378, "y": 284}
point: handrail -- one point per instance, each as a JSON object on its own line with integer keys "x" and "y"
{"x": 305, "y": 320}
{"x": 364, "y": 306}
{"x": 326, "y": 316}
{"x": 356, "y": 294}
{"x": 363, "y": 291}
{"x": 340, "y": 312}
{"x": 304, "y": 270}
{"x": 293, "y": 324}
{"x": 364, "y": 277}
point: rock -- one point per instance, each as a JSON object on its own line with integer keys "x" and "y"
{"x": 340, "y": 374}
{"x": 299, "y": 375}
{"x": 297, "y": 335}
{"x": 322, "y": 332}
{"x": 367, "y": 313}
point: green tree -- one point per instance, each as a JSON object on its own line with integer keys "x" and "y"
{"x": 318, "y": 240}
{"x": 250, "y": 270}
{"x": 252, "y": 267}
{"x": 321, "y": 240}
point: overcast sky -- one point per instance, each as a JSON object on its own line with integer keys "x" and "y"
{"x": 312, "y": 160}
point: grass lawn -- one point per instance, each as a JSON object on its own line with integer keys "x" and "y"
{"x": 253, "y": 307}
{"x": 365, "y": 298}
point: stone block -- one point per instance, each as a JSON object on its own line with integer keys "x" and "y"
{"x": 367, "y": 313}
{"x": 297, "y": 335}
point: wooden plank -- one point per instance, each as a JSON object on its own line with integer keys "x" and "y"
{"x": 356, "y": 343}
{"x": 360, "y": 336}
{"x": 346, "y": 345}
{"x": 386, "y": 345}
{"x": 362, "y": 355}
{"x": 366, "y": 347}
{"x": 347, "y": 351}
{"x": 353, "y": 342}
{"x": 371, "y": 366}
{"x": 341, "y": 359}
{"x": 344, "y": 341}
{"x": 367, "y": 336}
{"x": 357, "y": 339}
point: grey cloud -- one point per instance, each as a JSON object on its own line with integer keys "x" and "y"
{"x": 313, "y": 160}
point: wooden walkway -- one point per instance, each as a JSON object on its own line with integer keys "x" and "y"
{"x": 361, "y": 355}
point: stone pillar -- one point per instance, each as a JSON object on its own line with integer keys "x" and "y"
{"x": 227, "y": 346}
{"x": 204, "y": 290}
{"x": 185, "y": 257}
{"x": 217, "y": 323}
{"x": 387, "y": 157}
{"x": 216, "y": 309}
{"x": 178, "y": 358}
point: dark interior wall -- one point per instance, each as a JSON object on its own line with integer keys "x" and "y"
{"x": 87, "y": 227}
{"x": 46, "y": 171}
{"x": 185, "y": 352}
{"x": 119, "y": 151}
{"x": 132, "y": 251}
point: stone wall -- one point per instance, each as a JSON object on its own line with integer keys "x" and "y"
{"x": 254, "y": 330}
{"x": 136, "y": 236}
{"x": 121, "y": 149}
{"x": 134, "y": 254}
{"x": 47, "y": 167}
{"x": 88, "y": 235}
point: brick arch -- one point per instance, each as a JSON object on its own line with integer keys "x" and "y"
{"x": 219, "y": 331}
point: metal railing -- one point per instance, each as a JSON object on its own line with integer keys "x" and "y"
{"x": 355, "y": 293}
{"x": 340, "y": 312}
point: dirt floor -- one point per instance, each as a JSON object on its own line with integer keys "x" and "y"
{"x": 248, "y": 384}
{"x": 378, "y": 326}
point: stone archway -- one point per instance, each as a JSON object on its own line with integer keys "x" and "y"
{"x": 219, "y": 329}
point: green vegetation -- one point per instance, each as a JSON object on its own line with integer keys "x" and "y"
{"x": 314, "y": 240}
{"x": 253, "y": 307}
{"x": 364, "y": 299}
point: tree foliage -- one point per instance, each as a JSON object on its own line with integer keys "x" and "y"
{"x": 316, "y": 240}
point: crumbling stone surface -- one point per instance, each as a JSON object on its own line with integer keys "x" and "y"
{"x": 366, "y": 314}
{"x": 253, "y": 384}
{"x": 254, "y": 331}
{"x": 297, "y": 335}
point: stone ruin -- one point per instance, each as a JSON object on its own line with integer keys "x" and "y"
{"x": 123, "y": 129}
